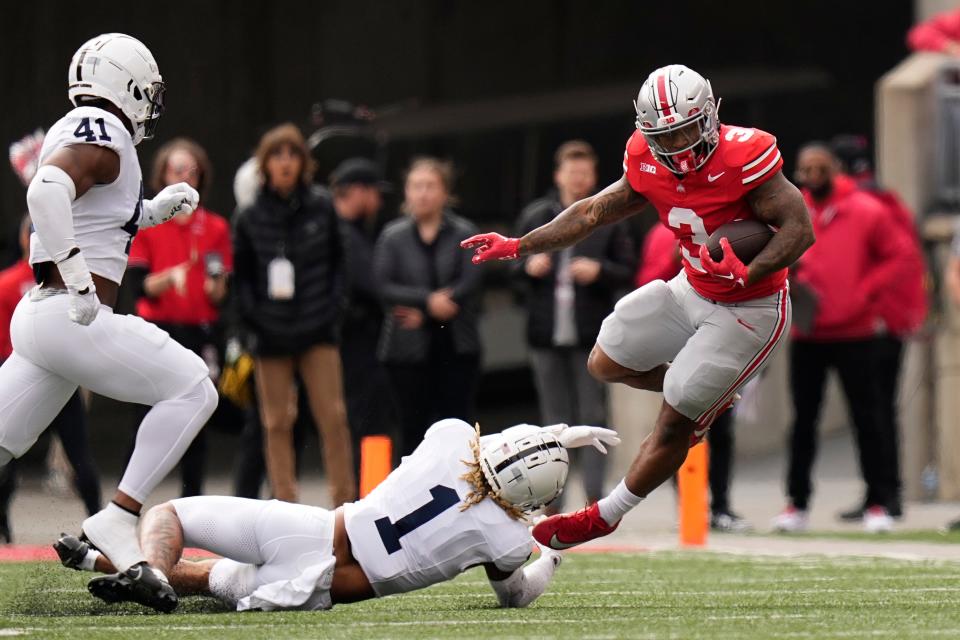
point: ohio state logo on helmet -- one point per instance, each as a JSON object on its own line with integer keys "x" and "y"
{"x": 677, "y": 114}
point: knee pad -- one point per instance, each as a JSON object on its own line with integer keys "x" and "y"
{"x": 230, "y": 581}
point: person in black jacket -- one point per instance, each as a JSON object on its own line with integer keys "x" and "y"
{"x": 357, "y": 188}
{"x": 289, "y": 281}
{"x": 570, "y": 292}
{"x": 430, "y": 341}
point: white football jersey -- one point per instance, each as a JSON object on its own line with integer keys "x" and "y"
{"x": 106, "y": 217}
{"x": 409, "y": 532}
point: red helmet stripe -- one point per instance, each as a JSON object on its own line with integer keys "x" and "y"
{"x": 662, "y": 94}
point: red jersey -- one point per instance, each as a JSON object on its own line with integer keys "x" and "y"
{"x": 206, "y": 235}
{"x": 694, "y": 206}
{"x": 14, "y": 282}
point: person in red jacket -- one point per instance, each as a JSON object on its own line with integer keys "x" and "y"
{"x": 901, "y": 304}
{"x": 941, "y": 33}
{"x": 70, "y": 424}
{"x": 858, "y": 253}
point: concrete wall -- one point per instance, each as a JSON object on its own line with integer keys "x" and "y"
{"x": 907, "y": 139}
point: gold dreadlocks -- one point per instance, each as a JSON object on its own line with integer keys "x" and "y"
{"x": 480, "y": 487}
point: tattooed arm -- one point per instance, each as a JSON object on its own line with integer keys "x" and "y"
{"x": 161, "y": 537}
{"x": 777, "y": 202}
{"x": 616, "y": 202}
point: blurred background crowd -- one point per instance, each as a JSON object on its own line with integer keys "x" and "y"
{"x": 343, "y": 150}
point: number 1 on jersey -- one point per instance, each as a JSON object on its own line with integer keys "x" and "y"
{"x": 443, "y": 498}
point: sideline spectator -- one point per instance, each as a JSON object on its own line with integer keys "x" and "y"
{"x": 70, "y": 425}
{"x": 901, "y": 304}
{"x": 183, "y": 267}
{"x": 357, "y": 185}
{"x": 660, "y": 260}
{"x": 430, "y": 341}
{"x": 570, "y": 292}
{"x": 856, "y": 255}
{"x": 289, "y": 285}
{"x": 941, "y": 34}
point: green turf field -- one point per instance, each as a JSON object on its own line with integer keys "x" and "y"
{"x": 664, "y": 595}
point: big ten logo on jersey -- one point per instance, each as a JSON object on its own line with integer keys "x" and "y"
{"x": 692, "y": 234}
{"x": 738, "y": 134}
{"x": 132, "y": 225}
{"x": 648, "y": 168}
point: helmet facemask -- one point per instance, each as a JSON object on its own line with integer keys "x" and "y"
{"x": 694, "y": 149}
{"x": 154, "y": 94}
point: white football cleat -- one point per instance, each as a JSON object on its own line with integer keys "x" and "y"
{"x": 791, "y": 520}
{"x": 113, "y": 532}
{"x": 877, "y": 519}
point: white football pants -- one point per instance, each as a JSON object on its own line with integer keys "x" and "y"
{"x": 118, "y": 356}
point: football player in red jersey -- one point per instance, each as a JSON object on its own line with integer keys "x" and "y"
{"x": 704, "y": 334}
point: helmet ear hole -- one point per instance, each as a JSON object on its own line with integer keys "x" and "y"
{"x": 137, "y": 94}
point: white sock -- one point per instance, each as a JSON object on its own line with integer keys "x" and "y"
{"x": 615, "y": 506}
{"x": 230, "y": 581}
{"x": 88, "y": 562}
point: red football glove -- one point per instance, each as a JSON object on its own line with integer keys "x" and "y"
{"x": 492, "y": 246}
{"x": 730, "y": 268}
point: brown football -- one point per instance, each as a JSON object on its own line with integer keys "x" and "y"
{"x": 747, "y": 238}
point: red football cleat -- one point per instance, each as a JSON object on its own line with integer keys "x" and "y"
{"x": 567, "y": 530}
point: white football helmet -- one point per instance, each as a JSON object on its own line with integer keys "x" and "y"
{"x": 671, "y": 99}
{"x": 120, "y": 69}
{"x": 527, "y": 471}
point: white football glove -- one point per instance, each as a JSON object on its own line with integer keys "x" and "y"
{"x": 581, "y": 436}
{"x": 546, "y": 552}
{"x": 174, "y": 199}
{"x": 83, "y": 307}
{"x": 84, "y": 303}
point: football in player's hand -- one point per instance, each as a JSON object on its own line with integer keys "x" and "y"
{"x": 747, "y": 239}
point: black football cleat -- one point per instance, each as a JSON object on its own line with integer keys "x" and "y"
{"x": 72, "y": 550}
{"x": 140, "y": 584}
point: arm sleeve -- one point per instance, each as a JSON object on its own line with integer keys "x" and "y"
{"x": 525, "y": 585}
{"x": 50, "y": 200}
{"x": 391, "y": 292}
